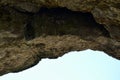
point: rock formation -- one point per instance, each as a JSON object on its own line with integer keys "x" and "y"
{"x": 31, "y": 30}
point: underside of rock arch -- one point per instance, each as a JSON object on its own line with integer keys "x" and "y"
{"x": 31, "y": 30}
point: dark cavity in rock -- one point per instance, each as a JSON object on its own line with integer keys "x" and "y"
{"x": 62, "y": 21}
{"x": 29, "y": 32}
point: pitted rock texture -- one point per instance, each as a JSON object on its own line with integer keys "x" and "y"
{"x": 105, "y": 12}
{"x": 34, "y": 29}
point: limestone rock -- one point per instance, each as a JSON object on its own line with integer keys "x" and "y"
{"x": 34, "y": 29}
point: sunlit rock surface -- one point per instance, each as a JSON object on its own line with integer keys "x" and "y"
{"x": 34, "y": 29}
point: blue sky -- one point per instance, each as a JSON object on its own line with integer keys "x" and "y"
{"x": 83, "y": 65}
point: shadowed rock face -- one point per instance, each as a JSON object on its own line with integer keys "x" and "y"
{"x": 34, "y": 29}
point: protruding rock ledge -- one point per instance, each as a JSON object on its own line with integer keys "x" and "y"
{"x": 21, "y": 55}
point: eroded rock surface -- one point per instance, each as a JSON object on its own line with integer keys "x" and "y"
{"x": 34, "y": 29}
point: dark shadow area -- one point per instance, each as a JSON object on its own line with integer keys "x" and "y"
{"x": 62, "y": 21}
{"x": 29, "y": 31}
{"x": 52, "y": 21}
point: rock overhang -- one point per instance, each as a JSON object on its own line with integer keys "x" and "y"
{"x": 30, "y": 32}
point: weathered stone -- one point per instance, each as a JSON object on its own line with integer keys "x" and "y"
{"x": 106, "y": 12}
{"x": 30, "y": 32}
{"x": 11, "y": 23}
{"x": 26, "y": 7}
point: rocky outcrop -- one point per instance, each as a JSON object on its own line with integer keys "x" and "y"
{"x": 34, "y": 29}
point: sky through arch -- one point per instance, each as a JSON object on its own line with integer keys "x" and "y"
{"x": 83, "y": 65}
